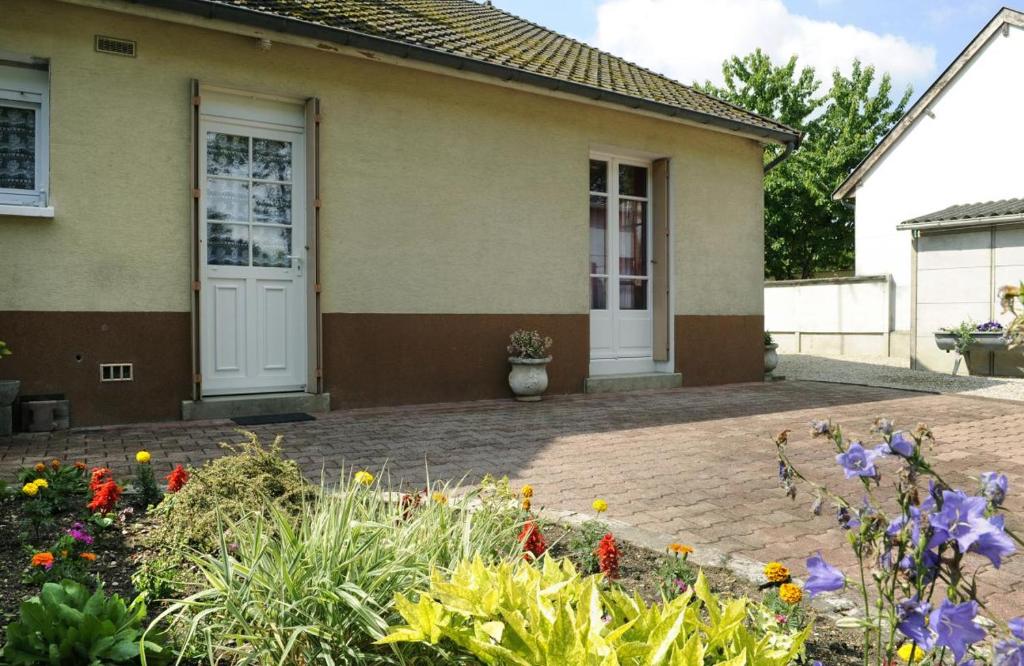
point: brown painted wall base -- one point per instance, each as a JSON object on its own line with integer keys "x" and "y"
{"x": 393, "y": 359}
{"x": 60, "y": 352}
{"x": 719, "y": 349}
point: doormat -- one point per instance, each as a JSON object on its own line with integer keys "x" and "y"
{"x": 292, "y": 417}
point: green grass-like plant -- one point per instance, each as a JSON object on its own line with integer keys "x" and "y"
{"x": 318, "y": 585}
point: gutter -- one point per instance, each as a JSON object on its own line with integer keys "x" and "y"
{"x": 790, "y": 147}
{"x": 358, "y": 40}
{"x": 961, "y": 224}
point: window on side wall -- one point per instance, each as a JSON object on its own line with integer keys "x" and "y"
{"x": 24, "y": 136}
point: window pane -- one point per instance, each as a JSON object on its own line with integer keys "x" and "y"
{"x": 227, "y": 154}
{"x": 632, "y": 237}
{"x": 598, "y": 235}
{"x": 271, "y": 246}
{"x": 632, "y": 294}
{"x": 598, "y": 293}
{"x": 598, "y": 176}
{"x": 227, "y": 244}
{"x": 271, "y": 160}
{"x": 272, "y": 203}
{"x": 227, "y": 200}
{"x": 17, "y": 148}
{"x": 632, "y": 180}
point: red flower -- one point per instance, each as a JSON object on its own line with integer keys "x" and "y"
{"x": 532, "y": 540}
{"x": 176, "y": 479}
{"x": 409, "y": 502}
{"x": 105, "y": 497}
{"x": 100, "y": 475}
{"x": 608, "y": 556}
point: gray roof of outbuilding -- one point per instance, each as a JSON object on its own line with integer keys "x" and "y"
{"x": 969, "y": 214}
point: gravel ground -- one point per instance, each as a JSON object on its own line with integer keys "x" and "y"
{"x": 894, "y": 373}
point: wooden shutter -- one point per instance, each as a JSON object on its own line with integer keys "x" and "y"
{"x": 662, "y": 273}
{"x": 315, "y": 373}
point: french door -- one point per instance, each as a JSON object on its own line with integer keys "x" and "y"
{"x": 620, "y": 266}
{"x": 252, "y": 248}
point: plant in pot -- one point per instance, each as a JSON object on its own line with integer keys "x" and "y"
{"x": 771, "y": 356}
{"x": 528, "y": 354}
{"x": 8, "y": 392}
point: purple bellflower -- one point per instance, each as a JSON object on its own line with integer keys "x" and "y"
{"x": 858, "y": 461}
{"x": 954, "y": 627}
{"x": 994, "y": 487}
{"x": 822, "y": 577}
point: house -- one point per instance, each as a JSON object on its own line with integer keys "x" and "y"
{"x": 935, "y": 198}
{"x": 213, "y": 208}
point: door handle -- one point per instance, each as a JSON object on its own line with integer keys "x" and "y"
{"x": 298, "y": 261}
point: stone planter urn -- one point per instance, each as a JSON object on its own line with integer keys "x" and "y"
{"x": 771, "y": 358}
{"x": 529, "y": 377}
{"x": 8, "y": 392}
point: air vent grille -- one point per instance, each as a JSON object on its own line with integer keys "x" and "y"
{"x": 116, "y": 372}
{"x": 115, "y": 46}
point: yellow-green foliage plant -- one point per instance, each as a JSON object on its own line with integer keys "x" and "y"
{"x": 518, "y": 613}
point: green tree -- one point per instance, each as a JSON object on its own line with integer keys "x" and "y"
{"x": 805, "y": 231}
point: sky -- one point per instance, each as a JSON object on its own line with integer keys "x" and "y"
{"x": 913, "y": 40}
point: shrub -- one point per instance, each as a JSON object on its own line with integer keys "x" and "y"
{"x": 322, "y": 587}
{"x": 229, "y": 487}
{"x": 65, "y": 484}
{"x": 149, "y": 492}
{"x": 675, "y": 573}
{"x": 66, "y": 624}
{"x": 514, "y": 613}
{"x": 583, "y": 543}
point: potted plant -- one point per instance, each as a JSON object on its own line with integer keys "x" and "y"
{"x": 771, "y": 356}
{"x": 8, "y": 392}
{"x": 528, "y": 354}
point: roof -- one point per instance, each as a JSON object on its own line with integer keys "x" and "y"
{"x": 1004, "y": 17}
{"x": 974, "y": 214}
{"x": 465, "y": 34}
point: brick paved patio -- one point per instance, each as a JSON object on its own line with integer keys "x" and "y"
{"x": 697, "y": 463}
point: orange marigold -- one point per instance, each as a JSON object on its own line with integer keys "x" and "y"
{"x": 44, "y": 560}
{"x": 55, "y": 464}
{"x": 177, "y": 479}
{"x": 776, "y": 572}
{"x": 40, "y": 468}
{"x": 608, "y": 556}
{"x": 790, "y": 593}
{"x": 80, "y": 466}
{"x": 91, "y": 557}
{"x": 680, "y": 549}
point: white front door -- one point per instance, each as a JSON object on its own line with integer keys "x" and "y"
{"x": 620, "y": 268}
{"x": 252, "y": 244}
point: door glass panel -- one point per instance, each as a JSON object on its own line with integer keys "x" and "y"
{"x": 598, "y": 235}
{"x": 271, "y": 160}
{"x": 17, "y": 148}
{"x": 632, "y": 237}
{"x": 598, "y": 176}
{"x": 632, "y": 180}
{"x": 227, "y": 154}
{"x": 598, "y": 293}
{"x": 632, "y": 294}
{"x": 227, "y": 200}
{"x": 271, "y": 203}
{"x": 227, "y": 244}
{"x": 271, "y": 247}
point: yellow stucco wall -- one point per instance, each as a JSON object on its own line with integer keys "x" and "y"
{"x": 440, "y": 195}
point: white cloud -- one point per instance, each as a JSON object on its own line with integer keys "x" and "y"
{"x": 688, "y": 39}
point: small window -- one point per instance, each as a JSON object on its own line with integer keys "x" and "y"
{"x": 24, "y": 133}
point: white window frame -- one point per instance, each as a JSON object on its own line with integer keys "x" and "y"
{"x": 27, "y": 85}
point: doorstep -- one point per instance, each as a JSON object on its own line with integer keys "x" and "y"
{"x": 635, "y": 382}
{"x": 259, "y": 404}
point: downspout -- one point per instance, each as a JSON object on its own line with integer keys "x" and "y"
{"x": 790, "y": 147}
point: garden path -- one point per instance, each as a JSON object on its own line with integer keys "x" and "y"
{"x": 696, "y": 463}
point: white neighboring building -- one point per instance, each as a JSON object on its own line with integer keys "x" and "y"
{"x": 960, "y": 144}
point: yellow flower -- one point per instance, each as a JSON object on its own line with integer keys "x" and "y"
{"x": 527, "y": 491}
{"x": 526, "y": 504}
{"x": 30, "y": 489}
{"x": 790, "y": 593}
{"x": 680, "y": 549}
{"x": 41, "y": 483}
{"x": 364, "y": 478}
{"x": 439, "y": 497}
{"x": 904, "y": 653}
{"x": 142, "y": 457}
{"x": 600, "y": 505}
{"x": 775, "y": 572}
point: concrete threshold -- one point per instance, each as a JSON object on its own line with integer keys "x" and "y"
{"x": 257, "y": 404}
{"x": 637, "y": 382}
